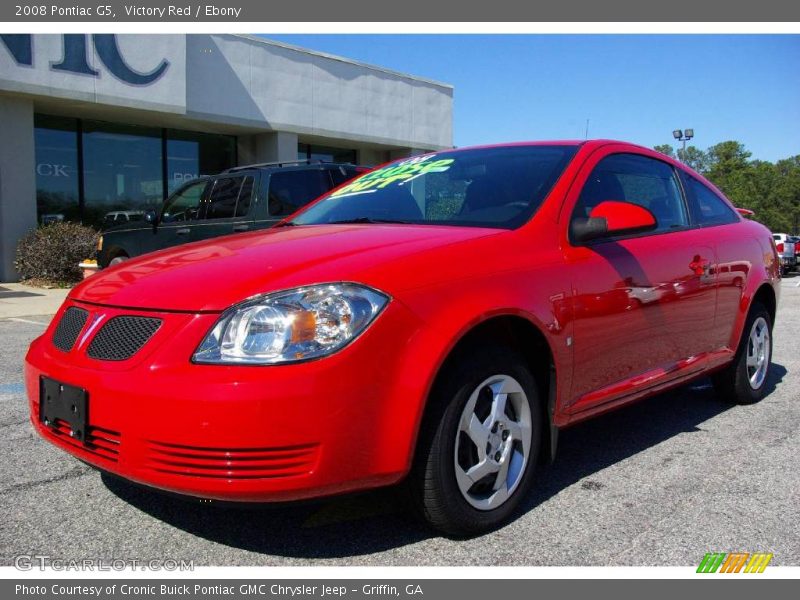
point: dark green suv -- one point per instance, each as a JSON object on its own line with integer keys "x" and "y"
{"x": 239, "y": 199}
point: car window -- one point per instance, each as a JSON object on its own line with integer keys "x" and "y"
{"x": 221, "y": 202}
{"x": 245, "y": 197}
{"x": 706, "y": 207}
{"x": 481, "y": 187}
{"x": 184, "y": 205}
{"x": 290, "y": 190}
{"x": 637, "y": 179}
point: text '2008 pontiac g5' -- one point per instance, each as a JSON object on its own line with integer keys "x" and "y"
{"x": 435, "y": 321}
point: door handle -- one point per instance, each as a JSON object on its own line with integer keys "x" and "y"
{"x": 183, "y": 231}
{"x": 241, "y": 227}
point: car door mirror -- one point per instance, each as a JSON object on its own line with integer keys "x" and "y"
{"x": 611, "y": 218}
{"x": 150, "y": 216}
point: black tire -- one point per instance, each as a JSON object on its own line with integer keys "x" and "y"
{"x": 733, "y": 383}
{"x": 432, "y": 482}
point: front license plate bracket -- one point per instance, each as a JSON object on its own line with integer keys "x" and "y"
{"x": 62, "y": 402}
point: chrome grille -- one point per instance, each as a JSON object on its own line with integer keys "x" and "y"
{"x": 122, "y": 337}
{"x": 69, "y": 328}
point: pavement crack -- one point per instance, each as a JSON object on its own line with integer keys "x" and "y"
{"x": 73, "y": 473}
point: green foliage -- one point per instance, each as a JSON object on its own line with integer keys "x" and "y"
{"x": 50, "y": 254}
{"x": 771, "y": 190}
{"x": 665, "y": 149}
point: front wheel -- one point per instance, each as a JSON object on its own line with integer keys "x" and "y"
{"x": 120, "y": 258}
{"x": 744, "y": 380}
{"x": 480, "y": 443}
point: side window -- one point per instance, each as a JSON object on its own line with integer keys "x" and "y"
{"x": 222, "y": 199}
{"x": 245, "y": 197}
{"x": 706, "y": 207}
{"x": 290, "y": 190}
{"x": 184, "y": 205}
{"x": 637, "y": 179}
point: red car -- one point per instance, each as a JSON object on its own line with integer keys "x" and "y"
{"x": 437, "y": 320}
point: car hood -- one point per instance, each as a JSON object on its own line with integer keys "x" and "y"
{"x": 215, "y": 274}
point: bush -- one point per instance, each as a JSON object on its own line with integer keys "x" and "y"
{"x": 50, "y": 254}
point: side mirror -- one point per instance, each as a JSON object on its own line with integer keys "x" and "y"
{"x": 612, "y": 218}
{"x": 150, "y": 216}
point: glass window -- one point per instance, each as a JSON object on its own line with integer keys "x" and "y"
{"x": 57, "y": 194}
{"x": 489, "y": 187}
{"x": 325, "y": 153}
{"x": 290, "y": 190}
{"x": 342, "y": 174}
{"x": 639, "y": 180}
{"x": 222, "y": 199}
{"x": 122, "y": 169}
{"x": 245, "y": 197}
{"x": 706, "y": 207}
{"x": 191, "y": 154}
{"x": 185, "y": 204}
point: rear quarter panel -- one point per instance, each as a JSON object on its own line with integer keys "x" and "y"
{"x": 747, "y": 260}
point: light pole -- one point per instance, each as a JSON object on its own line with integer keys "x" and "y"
{"x": 683, "y": 136}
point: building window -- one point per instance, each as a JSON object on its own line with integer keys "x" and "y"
{"x": 87, "y": 169}
{"x": 121, "y": 170}
{"x": 325, "y": 154}
{"x": 57, "y": 174}
{"x": 191, "y": 154}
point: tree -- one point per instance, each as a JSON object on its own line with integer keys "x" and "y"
{"x": 665, "y": 149}
{"x": 771, "y": 190}
{"x": 694, "y": 158}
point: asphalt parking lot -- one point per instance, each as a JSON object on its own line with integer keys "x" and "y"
{"x": 659, "y": 483}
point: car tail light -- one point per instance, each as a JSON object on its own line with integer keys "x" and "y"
{"x": 779, "y": 247}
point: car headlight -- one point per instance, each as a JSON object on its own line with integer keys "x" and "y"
{"x": 293, "y": 325}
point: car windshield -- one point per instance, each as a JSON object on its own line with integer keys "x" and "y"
{"x": 486, "y": 187}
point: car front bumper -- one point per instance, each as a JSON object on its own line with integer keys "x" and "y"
{"x": 241, "y": 433}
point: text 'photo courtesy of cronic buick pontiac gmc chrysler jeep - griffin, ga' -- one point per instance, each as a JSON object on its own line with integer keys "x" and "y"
{"x": 432, "y": 323}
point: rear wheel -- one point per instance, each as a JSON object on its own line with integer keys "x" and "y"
{"x": 480, "y": 443}
{"x": 744, "y": 380}
{"x": 118, "y": 259}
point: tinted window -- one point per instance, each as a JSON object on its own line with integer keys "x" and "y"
{"x": 122, "y": 169}
{"x": 222, "y": 200}
{"x": 56, "y": 169}
{"x": 245, "y": 197}
{"x": 342, "y": 174}
{"x": 184, "y": 205}
{"x": 290, "y": 190}
{"x": 487, "y": 187}
{"x": 639, "y": 180}
{"x": 707, "y": 208}
{"x": 191, "y": 154}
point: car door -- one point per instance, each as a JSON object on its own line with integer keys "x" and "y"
{"x": 641, "y": 303}
{"x": 719, "y": 222}
{"x": 179, "y": 212}
{"x": 222, "y": 213}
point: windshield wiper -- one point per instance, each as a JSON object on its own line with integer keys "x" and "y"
{"x": 285, "y": 224}
{"x": 367, "y": 220}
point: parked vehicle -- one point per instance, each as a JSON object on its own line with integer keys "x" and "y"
{"x": 786, "y": 250}
{"x": 240, "y": 199}
{"x": 796, "y": 241}
{"x": 436, "y": 321}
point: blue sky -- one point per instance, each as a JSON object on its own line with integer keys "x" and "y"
{"x": 636, "y": 88}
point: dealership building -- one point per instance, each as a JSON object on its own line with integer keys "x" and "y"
{"x": 92, "y": 124}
